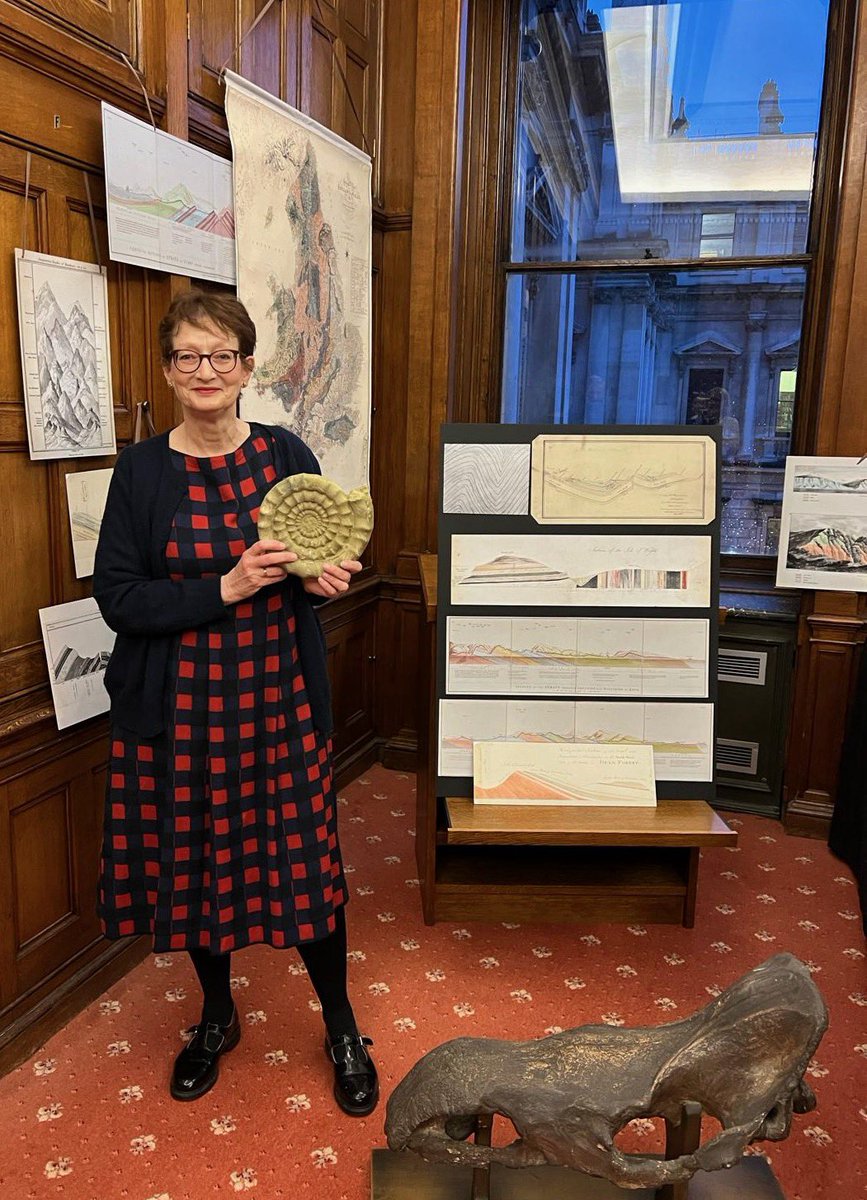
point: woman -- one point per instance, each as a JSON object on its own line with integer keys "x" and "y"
{"x": 220, "y": 817}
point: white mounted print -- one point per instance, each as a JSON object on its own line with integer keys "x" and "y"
{"x": 681, "y": 734}
{"x": 65, "y": 358}
{"x": 623, "y": 479}
{"x": 86, "y": 494}
{"x": 575, "y": 570}
{"x": 484, "y": 478}
{"x": 78, "y": 645}
{"x": 823, "y": 527}
{"x": 577, "y": 656}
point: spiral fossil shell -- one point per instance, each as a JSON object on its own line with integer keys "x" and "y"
{"x": 316, "y": 519}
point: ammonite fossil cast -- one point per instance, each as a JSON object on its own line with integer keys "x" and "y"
{"x": 318, "y": 520}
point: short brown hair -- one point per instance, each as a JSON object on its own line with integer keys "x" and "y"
{"x": 197, "y": 307}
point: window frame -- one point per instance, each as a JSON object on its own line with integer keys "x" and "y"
{"x": 486, "y": 164}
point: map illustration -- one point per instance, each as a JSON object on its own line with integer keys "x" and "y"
{"x": 681, "y": 734}
{"x": 574, "y": 570}
{"x": 563, "y": 774}
{"x": 579, "y": 656}
{"x": 169, "y": 202}
{"x": 303, "y": 216}
{"x": 62, "y": 306}
{"x": 178, "y": 205}
{"x": 623, "y": 480}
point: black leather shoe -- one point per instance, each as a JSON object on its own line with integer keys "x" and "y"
{"x": 197, "y": 1065}
{"x": 356, "y": 1085}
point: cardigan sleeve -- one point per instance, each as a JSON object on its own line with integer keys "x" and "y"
{"x": 130, "y": 599}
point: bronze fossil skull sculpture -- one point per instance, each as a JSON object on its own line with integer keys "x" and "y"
{"x": 742, "y": 1058}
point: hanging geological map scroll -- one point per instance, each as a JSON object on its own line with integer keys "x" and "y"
{"x": 303, "y": 224}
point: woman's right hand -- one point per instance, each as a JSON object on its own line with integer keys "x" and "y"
{"x": 259, "y": 566}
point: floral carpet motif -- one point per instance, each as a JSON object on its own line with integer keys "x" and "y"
{"x": 90, "y": 1117}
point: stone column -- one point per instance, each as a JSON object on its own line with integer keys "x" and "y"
{"x": 597, "y": 359}
{"x": 636, "y": 300}
{"x": 755, "y": 329}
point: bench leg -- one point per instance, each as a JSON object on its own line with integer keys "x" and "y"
{"x": 691, "y": 888}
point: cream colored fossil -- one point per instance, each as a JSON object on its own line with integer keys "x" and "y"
{"x": 316, "y": 519}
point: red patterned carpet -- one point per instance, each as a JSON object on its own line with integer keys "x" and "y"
{"x": 90, "y": 1117}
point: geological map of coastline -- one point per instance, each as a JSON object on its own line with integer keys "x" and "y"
{"x": 177, "y": 205}
{"x": 524, "y": 785}
{"x": 535, "y": 656}
{"x": 68, "y": 374}
{"x": 826, "y": 549}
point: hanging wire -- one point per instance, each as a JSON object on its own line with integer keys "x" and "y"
{"x": 26, "y": 200}
{"x": 140, "y": 82}
{"x": 345, "y": 81}
{"x": 92, "y": 220}
{"x": 245, "y": 35}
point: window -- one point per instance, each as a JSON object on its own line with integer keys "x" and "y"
{"x": 717, "y": 235}
{"x": 786, "y": 381}
{"x": 654, "y": 142}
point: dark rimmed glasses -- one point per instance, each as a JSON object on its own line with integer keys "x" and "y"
{"x": 222, "y": 361}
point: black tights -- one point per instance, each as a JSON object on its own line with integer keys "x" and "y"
{"x": 325, "y": 961}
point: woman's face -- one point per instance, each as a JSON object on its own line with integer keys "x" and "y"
{"x": 205, "y": 392}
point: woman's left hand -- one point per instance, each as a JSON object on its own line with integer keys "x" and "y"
{"x": 333, "y": 580}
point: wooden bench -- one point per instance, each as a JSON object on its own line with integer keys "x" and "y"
{"x": 500, "y": 862}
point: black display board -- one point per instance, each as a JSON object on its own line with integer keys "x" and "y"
{"x": 632, "y": 620}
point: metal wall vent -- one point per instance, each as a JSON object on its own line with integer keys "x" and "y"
{"x": 742, "y": 666}
{"x": 740, "y": 757}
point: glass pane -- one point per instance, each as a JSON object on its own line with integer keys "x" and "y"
{"x": 638, "y": 123}
{"x": 698, "y": 347}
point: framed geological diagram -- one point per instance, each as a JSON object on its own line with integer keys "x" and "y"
{"x": 578, "y": 595}
{"x": 65, "y": 356}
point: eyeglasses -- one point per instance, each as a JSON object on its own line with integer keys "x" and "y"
{"x": 222, "y": 361}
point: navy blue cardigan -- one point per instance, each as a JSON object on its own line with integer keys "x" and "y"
{"x": 148, "y": 610}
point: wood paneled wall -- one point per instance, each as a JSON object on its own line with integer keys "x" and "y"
{"x": 350, "y": 64}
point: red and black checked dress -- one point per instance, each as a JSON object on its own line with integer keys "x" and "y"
{"x": 222, "y": 832}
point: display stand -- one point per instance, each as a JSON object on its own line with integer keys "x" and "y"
{"x": 500, "y": 863}
{"x": 405, "y": 1176}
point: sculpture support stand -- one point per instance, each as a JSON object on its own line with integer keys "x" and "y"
{"x": 682, "y": 1138}
{"x": 403, "y": 1176}
{"x": 482, "y": 1175}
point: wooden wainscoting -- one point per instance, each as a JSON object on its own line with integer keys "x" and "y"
{"x": 52, "y": 955}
